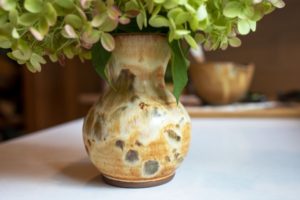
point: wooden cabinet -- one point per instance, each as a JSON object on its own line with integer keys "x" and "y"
{"x": 52, "y": 96}
{"x": 11, "y": 119}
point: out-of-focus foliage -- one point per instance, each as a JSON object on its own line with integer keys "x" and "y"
{"x": 59, "y": 29}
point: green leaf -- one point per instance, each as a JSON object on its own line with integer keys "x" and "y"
{"x": 169, "y": 4}
{"x": 194, "y": 23}
{"x": 8, "y": 4}
{"x": 159, "y": 21}
{"x": 107, "y": 41}
{"x": 248, "y": 12}
{"x": 68, "y": 51}
{"x": 15, "y": 34}
{"x": 131, "y": 5}
{"x": 51, "y": 14}
{"x": 189, "y": 8}
{"x": 156, "y": 10}
{"x": 5, "y": 43}
{"x": 91, "y": 36}
{"x": 20, "y": 55}
{"x": 38, "y": 58}
{"x": 73, "y": 20}
{"x": 13, "y": 16}
{"x": 113, "y": 13}
{"x": 232, "y": 9}
{"x": 33, "y": 6}
{"x": 35, "y": 63}
{"x": 3, "y": 17}
{"x": 180, "y": 33}
{"x": 252, "y": 25}
{"x": 53, "y": 57}
{"x": 190, "y": 40}
{"x": 179, "y": 69}
{"x": 140, "y": 21}
{"x": 99, "y": 19}
{"x": 30, "y": 67}
{"x": 28, "y": 19}
{"x": 43, "y": 27}
{"x": 159, "y": 1}
{"x": 278, "y": 3}
{"x": 109, "y": 25}
{"x": 100, "y": 58}
{"x": 182, "y": 18}
{"x": 235, "y": 42}
{"x": 68, "y": 4}
{"x": 243, "y": 27}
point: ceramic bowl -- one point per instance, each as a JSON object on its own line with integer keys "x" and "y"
{"x": 221, "y": 82}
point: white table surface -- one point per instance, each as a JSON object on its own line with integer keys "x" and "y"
{"x": 234, "y": 159}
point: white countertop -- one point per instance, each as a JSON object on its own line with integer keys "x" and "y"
{"x": 229, "y": 159}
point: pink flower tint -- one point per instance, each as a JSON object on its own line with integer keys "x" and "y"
{"x": 62, "y": 60}
{"x": 37, "y": 35}
{"x": 114, "y": 12}
{"x": 124, "y": 20}
{"x": 84, "y": 4}
{"x": 70, "y": 31}
{"x": 132, "y": 13}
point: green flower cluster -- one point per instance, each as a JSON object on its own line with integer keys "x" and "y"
{"x": 59, "y": 29}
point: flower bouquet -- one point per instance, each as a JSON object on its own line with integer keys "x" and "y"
{"x": 138, "y": 133}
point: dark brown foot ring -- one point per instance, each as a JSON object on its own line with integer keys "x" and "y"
{"x": 137, "y": 184}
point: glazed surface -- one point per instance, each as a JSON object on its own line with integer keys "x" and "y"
{"x": 136, "y": 131}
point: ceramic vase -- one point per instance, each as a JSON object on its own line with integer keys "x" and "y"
{"x": 136, "y": 134}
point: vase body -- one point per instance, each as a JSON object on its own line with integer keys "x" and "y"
{"x": 136, "y": 134}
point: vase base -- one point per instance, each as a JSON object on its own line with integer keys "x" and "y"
{"x": 145, "y": 184}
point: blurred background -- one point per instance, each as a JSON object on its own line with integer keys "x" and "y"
{"x": 262, "y": 79}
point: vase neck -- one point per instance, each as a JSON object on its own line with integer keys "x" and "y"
{"x": 139, "y": 62}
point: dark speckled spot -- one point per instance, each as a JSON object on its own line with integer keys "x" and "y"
{"x": 143, "y": 105}
{"x": 120, "y": 144}
{"x": 151, "y": 167}
{"x": 89, "y": 142}
{"x": 132, "y": 156}
{"x": 168, "y": 159}
{"x": 138, "y": 143}
{"x": 172, "y": 134}
{"x": 133, "y": 98}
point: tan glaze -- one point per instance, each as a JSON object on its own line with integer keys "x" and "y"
{"x": 221, "y": 82}
{"x": 137, "y": 135}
